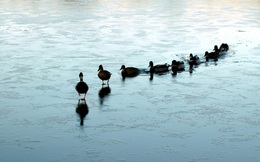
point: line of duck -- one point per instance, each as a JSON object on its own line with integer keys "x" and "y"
{"x": 104, "y": 75}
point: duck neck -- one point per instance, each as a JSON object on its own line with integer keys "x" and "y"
{"x": 81, "y": 79}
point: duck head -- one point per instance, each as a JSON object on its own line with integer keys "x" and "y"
{"x": 206, "y": 54}
{"x": 100, "y": 68}
{"x": 81, "y": 76}
{"x": 216, "y": 48}
{"x": 150, "y": 64}
{"x": 122, "y": 67}
{"x": 174, "y": 62}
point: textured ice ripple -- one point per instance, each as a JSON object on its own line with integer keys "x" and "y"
{"x": 215, "y": 109}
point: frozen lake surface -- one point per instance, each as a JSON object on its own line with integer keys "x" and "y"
{"x": 212, "y": 114}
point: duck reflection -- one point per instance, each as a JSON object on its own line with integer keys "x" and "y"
{"x": 151, "y": 76}
{"x": 82, "y": 110}
{"x": 103, "y": 92}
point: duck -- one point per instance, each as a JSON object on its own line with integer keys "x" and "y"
{"x": 129, "y": 71}
{"x": 194, "y": 60}
{"x": 224, "y": 47}
{"x": 177, "y": 66}
{"x": 82, "y": 87}
{"x": 103, "y": 74}
{"x": 211, "y": 55}
{"x": 158, "y": 68}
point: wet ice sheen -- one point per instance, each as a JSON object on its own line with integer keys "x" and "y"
{"x": 209, "y": 115}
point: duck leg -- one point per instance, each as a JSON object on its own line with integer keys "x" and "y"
{"x": 84, "y": 98}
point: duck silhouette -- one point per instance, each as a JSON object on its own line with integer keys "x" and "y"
{"x": 158, "y": 68}
{"x": 129, "y": 71}
{"x": 194, "y": 60}
{"x": 216, "y": 48}
{"x": 177, "y": 66}
{"x": 82, "y": 87}
{"x": 103, "y": 74}
{"x": 211, "y": 55}
{"x": 223, "y": 47}
{"x": 217, "y": 52}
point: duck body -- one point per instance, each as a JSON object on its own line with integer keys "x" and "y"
{"x": 82, "y": 87}
{"x": 211, "y": 55}
{"x": 103, "y": 74}
{"x": 177, "y": 66}
{"x": 194, "y": 60}
{"x": 223, "y": 47}
{"x": 158, "y": 68}
{"x": 181, "y": 65}
{"x": 129, "y": 71}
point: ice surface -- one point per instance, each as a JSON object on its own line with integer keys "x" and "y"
{"x": 210, "y": 115}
